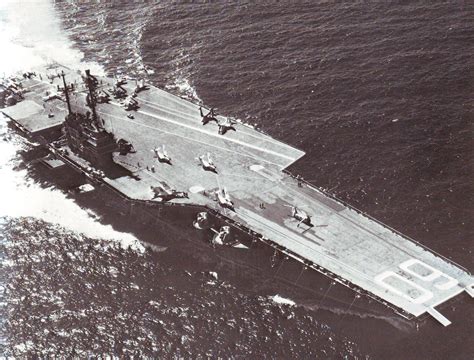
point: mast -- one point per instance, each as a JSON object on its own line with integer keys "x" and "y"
{"x": 66, "y": 92}
{"x": 91, "y": 83}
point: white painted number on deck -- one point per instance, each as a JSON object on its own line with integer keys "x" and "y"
{"x": 424, "y": 295}
{"x": 435, "y": 274}
{"x": 415, "y": 293}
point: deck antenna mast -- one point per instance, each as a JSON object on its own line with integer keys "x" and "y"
{"x": 91, "y": 83}
{"x": 66, "y": 92}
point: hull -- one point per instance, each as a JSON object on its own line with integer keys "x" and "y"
{"x": 166, "y": 228}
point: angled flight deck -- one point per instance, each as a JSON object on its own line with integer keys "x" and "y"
{"x": 353, "y": 247}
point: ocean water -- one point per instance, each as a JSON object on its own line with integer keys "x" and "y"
{"x": 380, "y": 98}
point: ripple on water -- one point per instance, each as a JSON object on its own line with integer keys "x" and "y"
{"x": 66, "y": 294}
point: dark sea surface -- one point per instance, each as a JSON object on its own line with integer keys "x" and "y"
{"x": 380, "y": 97}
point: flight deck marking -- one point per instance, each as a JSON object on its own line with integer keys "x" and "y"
{"x": 435, "y": 274}
{"x": 430, "y": 277}
{"x": 210, "y": 134}
{"x": 241, "y": 176}
{"x": 35, "y": 85}
{"x": 185, "y": 116}
{"x": 187, "y": 138}
{"x": 423, "y": 297}
{"x": 193, "y": 106}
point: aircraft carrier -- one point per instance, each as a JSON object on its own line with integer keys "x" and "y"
{"x": 170, "y": 160}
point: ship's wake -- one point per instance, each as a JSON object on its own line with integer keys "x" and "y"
{"x": 71, "y": 293}
{"x": 31, "y": 37}
{"x": 22, "y": 197}
{"x": 180, "y": 78}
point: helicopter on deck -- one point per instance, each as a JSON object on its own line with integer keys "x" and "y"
{"x": 165, "y": 193}
{"x": 210, "y": 116}
{"x": 300, "y": 215}
{"x": 207, "y": 163}
{"x": 162, "y": 155}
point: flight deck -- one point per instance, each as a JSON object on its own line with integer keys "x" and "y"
{"x": 351, "y": 246}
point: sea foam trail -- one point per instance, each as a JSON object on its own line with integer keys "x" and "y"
{"x": 22, "y": 197}
{"x": 281, "y": 300}
{"x": 31, "y": 36}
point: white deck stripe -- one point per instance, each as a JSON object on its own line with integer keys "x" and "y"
{"x": 263, "y": 137}
{"x": 211, "y": 134}
{"x": 189, "y": 139}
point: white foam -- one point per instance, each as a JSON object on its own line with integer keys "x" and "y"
{"x": 240, "y": 246}
{"x": 24, "y": 198}
{"x": 86, "y": 188}
{"x": 281, "y": 300}
{"x": 31, "y": 37}
{"x": 185, "y": 88}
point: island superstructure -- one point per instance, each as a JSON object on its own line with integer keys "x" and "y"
{"x": 159, "y": 149}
